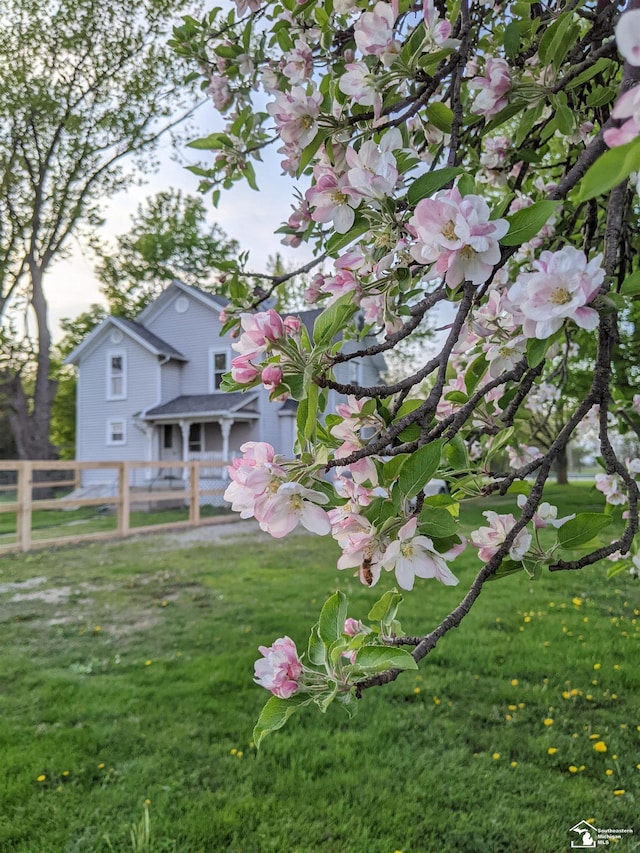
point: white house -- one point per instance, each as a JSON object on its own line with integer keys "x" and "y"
{"x": 149, "y": 389}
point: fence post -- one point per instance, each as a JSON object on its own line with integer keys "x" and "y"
{"x": 25, "y": 497}
{"x": 77, "y": 478}
{"x": 123, "y": 498}
{"x": 194, "y": 493}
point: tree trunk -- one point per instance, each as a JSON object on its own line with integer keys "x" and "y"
{"x": 562, "y": 467}
{"x": 30, "y": 420}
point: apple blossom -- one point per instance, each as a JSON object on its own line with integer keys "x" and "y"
{"x": 456, "y": 234}
{"x": 494, "y": 88}
{"x": 290, "y": 505}
{"x": 561, "y": 287}
{"x": 413, "y": 556}
{"x": 489, "y": 539}
{"x": 628, "y": 36}
{"x": 280, "y": 668}
{"x": 610, "y": 488}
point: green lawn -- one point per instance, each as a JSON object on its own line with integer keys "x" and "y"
{"x": 130, "y": 680}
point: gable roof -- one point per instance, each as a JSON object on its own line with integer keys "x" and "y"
{"x": 219, "y": 404}
{"x": 202, "y": 296}
{"x": 134, "y": 330}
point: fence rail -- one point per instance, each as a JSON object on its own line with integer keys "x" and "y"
{"x": 200, "y": 481}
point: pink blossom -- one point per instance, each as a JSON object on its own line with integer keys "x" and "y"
{"x": 271, "y": 376}
{"x": 627, "y": 107}
{"x": 298, "y": 63}
{"x": 457, "y": 235}
{"x": 504, "y": 355}
{"x": 295, "y": 115}
{"x": 413, "y": 556}
{"x": 494, "y": 86}
{"x": 251, "y": 5}
{"x": 352, "y": 627}
{"x": 636, "y": 403}
{"x": 438, "y": 29}
{"x": 362, "y": 549}
{"x": 258, "y": 330}
{"x": 280, "y": 668}
{"x": 243, "y": 371}
{"x": 628, "y": 36}
{"x": 523, "y": 455}
{"x": 611, "y": 489}
{"x": 333, "y": 200}
{"x": 360, "y": 85}
{"x": 374, "y": 30}
{"x": 489, "y": 539}
{"x": 560, "y": 289}
{"x": 373, "y": 172}
{"x": 291, "y": 505}
{"x": 220, "y": 93}
{"x": 252, "y": 476}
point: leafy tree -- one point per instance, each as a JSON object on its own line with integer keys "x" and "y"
{"x": 476, "y": 157}
{"x": 169, "y": 238}
{"x": 85, "y": 87}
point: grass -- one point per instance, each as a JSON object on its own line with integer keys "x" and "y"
{"x": 127, "y": 685}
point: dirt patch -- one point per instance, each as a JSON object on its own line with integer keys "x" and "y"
{"x": 28, "y": 584}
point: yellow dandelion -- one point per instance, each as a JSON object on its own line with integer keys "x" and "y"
{"x": 600, "y": 746}
{"x": 552, "y": 750}
{"x": 618, "y": 792}
{"x": 508, "y": 717}
{"x": 513, "y": 707}
{"x": 574, "y": 691}
{"x": 65, "y": 772}
{"x": 147, "y": 802}
{"x": 495, "y": 756}
{"x": 514, "y": 682}
{"x": 573, "y": 768}
{"x": 581, "y": 768}
{"x": 614, "y": 757}
{"x": 616, "y": 666}
{"x": 548, "y": 721}
{"x": 416, "y": 690}
{"x": 566, "y": 694}
{"x": 101, "y": 766}
{"x": 234, "y": 751}
{"x": 436, "y": 701}
{"x": 527, "y": 618}
{"x": 588, "y": 697}
{"x": 59, "y": 788}
{"x": 614, "y": 695}
{"x": 147, "y": 663}
{"x": 594, "y": 737}
{"x": 577, "y": 601}
{"x": 597, "y": 665}
{"x": 520, "y": 704}
{"x": 163, "y": 603}
{"x": 41, "y": 778}
{"x": 514, "y": 764}
{"x": 608, "y": 772}
{"x": 239, "y": 753}
{"x": 97, "y": 628}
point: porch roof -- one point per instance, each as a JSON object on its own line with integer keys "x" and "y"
{"x": 236, "y": 404}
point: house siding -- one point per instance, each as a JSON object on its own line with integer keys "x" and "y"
{"x": 193, "y": 333}
{"x": 95, "y": 410}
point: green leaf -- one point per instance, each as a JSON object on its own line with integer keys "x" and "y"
{"x": 339, "y": 241}
{"x": 391, "y": 468}
{"x": 564, "y": 119}
{"x": 372, "y": 659}
{"x": 512, "y": 39}
{"x": 528, "y": 222}
{"x": 618, "y": 567}
{"x": 312, "y": 410}
{"x": 437, "y": 522}
{"x": 609, "y": 170}
{"x": 332, "y": 618}
{"x": 333, "y": 319}
{"x": 631, "y": 284}
{"x": 426, "y": 185}
{"x": 308, "y": 153}
{"x": 537, "y": 350}
{"x": 601, "y": 65}
{"x": 581, "y": 529}
{"x": 500, "y": 441}
{"x": 316, "y": 650}
{"x": 276, "y": 713}
{"x": 211, "y": 142}
{"x": 475, "y": 372}
{"x": 386, "y": 608}
{"x": 506, "y": 568}
{"x": 419, "y": 469}
{"x": 455, "y": 452}
{"x": 440, "y": 115}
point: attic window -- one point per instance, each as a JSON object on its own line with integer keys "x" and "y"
{"x": 181, "y": 304}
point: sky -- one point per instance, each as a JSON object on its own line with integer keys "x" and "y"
{"x": 248, "y": 216}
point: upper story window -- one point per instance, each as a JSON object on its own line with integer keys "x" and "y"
{"x": 218, "y": 366}
{"x": 116, "y": 375}
{"x": 354, "y": 373}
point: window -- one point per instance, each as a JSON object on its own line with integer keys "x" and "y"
{"x": 116, "y": 376}
{"x": 219, "y": 365}
{"x": 354, "y": 372}
{"x": 116, "y": 432}
{"x": 195, "y": 438}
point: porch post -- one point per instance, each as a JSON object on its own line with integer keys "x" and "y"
{"x": 225, "y": 429}
{"x": 184, "y": 428}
